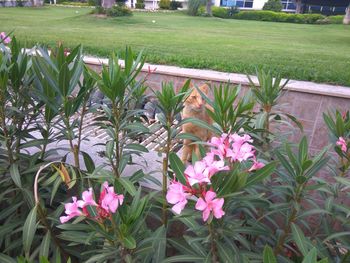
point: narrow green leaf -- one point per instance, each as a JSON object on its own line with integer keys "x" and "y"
{"x": 184, "y": 258}
{"x": 311, "y": 257}
{"x": 89, "y": 163}
{"x": 178, "y": 167}
{"x": 45, "y": 245}
{"x": 300, "y": 239}
{"x": 136, "y": 147}
{"x": 129, "y": 242}
{"x": 29, "y": 229}
{"x": 6, "y": 259}
{"x": 14, "y": 172}
{"x": 129, "y": 187}
{"x": 261, "y": 174}
{"x": 268, "y": 255}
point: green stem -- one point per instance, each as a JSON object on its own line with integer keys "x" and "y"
{"x": 213, "y": 248}
{"x": 48, "y": 228}
{"x": 291, "y": 219}
{"x": 116, "y": 115}
{"x": 165, "y": 171}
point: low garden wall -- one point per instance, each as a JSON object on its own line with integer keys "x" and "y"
{"x": 305, "y": 100}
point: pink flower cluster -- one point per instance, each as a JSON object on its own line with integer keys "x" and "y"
{"x": 107, "y": 204}
{"x": 4, "y": 38}
{"x": 227, "y": 148}
{"x": 342, "y": 143}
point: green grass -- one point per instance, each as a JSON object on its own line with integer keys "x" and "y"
{"x": 318, "y": 53}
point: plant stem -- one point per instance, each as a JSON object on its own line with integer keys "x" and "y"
{"x": 117, "y": 145}
{"x": 46, "y": 224}
{"x": 165, "y": 171}
{"x": 291, "y": 219}
{"x": 213, "y": 249}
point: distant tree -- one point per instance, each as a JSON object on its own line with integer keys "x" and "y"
{"x": 273, "y": 5}
{"x": 298, "y": 6}
{"x": 208, "y": 7}
{"x": 108, "y": 3}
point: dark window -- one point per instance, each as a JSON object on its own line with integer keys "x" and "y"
{"x": 240, "y": 3}
{"x": 248, "y": 4}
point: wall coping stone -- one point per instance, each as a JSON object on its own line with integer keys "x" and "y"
{"x": 211, "y": 75}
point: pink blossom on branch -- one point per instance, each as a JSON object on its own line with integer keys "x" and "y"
{"x": 256, "y": 166}
{"x": 342, "y": 143}
{"x": 88, "y": 199}
{"x": 213, "y": 166}
{"x": 177, "y": 196}
{"x": 71, "y": 210}
{"x": 109, "y": 200}
{"x": 195, "y": 173}
{"x": 210, "y": 204}
{"x": 4, "y": 38}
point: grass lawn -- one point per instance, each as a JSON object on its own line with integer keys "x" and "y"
{"x": 318, "y": 53}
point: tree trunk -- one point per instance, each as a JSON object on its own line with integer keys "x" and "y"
{"x": 346, "y": 20}
{"x": 108, "y": 3}
{"x": 298, "y": 6}
{"x": 209, "y": 4}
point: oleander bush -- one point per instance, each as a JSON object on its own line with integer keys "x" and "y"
{"x": 250, "y": 195}
{"x": 118, "y": 10}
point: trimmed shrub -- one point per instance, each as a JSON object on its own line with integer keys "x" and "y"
{"x": 278, "y": 17}
{"x": 98, "y": 10}
{"x": 221, "y": 12}
{"x": 118, "y": 10}
{"x": 174, "y": 5}
{"x": 140, "y": 4}
{"x": 273, "y": 5}
{"x": 193, "y": 7}
{"x": 75, "y": 3}
{"x": 164, "y": 4}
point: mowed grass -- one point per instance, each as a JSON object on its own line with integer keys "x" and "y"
{"x": 318, "y": 53}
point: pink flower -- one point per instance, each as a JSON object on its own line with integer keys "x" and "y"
{"x": 88, "y": 199}
{"x": 220, "y": 145}
{"x": 109, "y": 200}
{"x": 213, "y": 166}
{"x": 256, "y": 165}
{"x": 195, "y": 173}
{"x": 71, "y": 210}
{"x": 4, "y": 38}
{"x": 341, "y": 142}
{"x": 177, "y": 196}
{"x": 235, "y": 138}
{"x": 210, "y": 203}
{"x": 241, "y": 151}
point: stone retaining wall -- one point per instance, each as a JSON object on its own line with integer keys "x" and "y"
{"x": 305, "y": 100}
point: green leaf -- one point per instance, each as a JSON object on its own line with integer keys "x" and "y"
{"x": 89, "y": 163}
{"x": 224, "y": 253}
{"x": 14, "y": 172}
{"x": 268, "y": 255}
{"x": 92, "y": 210}
{"x": 159, "y": 244}
{"x": 129, "y": 242}
{"x": 261, "y": 174}
{"x": 300, "y": 239}
{"x": 311, "y": 257}
{"x": 184, "y": 258}
{"x": 29, "y": 229}
{"x": 136, "y": 147}
{"x": 129, "y": 187}
{"x": 45, "y": 245}
{"x": 6, "y": 259}
{"x": 178, "y": 167}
